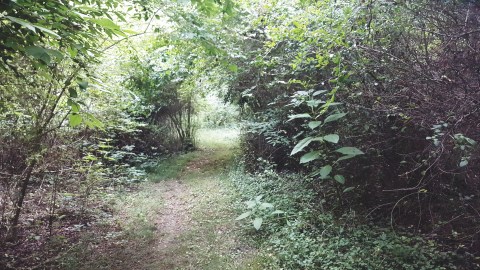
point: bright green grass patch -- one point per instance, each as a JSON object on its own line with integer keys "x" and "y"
{"x": 220, "y": 138}
{"x": 169, "y": 167}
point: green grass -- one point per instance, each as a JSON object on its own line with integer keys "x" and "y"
{"x": 220, "y": 138}
{"x": 125, "y": 240}
{"x": 170, "y": 167}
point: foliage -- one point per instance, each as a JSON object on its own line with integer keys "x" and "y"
{"x": 69, "y": 130}
{"x": 387, "y": 83}
{"x": 309, "y": 238}
{"x": 365, "y": 107}
{"x": 259, "y": 211}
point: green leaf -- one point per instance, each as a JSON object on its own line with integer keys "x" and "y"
{"x": 334, "y": 117}
{"x": 333, "y": 138}
{"x": 351, "y": 151}
{"x": 302, "y": 115}
{"x": 73, "y": 105}
{"x": 339, "y": 178}
{"x": 48, "y": 31}
{"x": 463, "y": 163}
{"x": 314, "y": 124}
{"x": 325, "y": 171}
{"x": 23, "y": 23}
{"x": 74, "y": 120}
{"x": 56, "y": 54}
{"x": 72, "y": 92}
{"x": 31, "y": 26}
{"x": 72, "y": 51}
{"x": 39, "y": 53}
{"x": 310, "y": 156}
{"x": 301, "y": 145}
{"x": 257, "y": 223}
{"x": 244, "y": 215}
{"x": 316, "y": 93}
{"x": 250, "y": 204}
{"x": 346, "y": 157}
{"x": 83, "y": 85}
{"x": 228, "y": 7}
{"x": 93, "y": 122}
{"x": 314, "y": 103}
{"x": 277, "y": 212}
{"x": 348, "y": 189}
{"x": 106, "y": 23}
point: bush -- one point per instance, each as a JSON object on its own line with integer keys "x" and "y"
{"x": 307, "y": 237}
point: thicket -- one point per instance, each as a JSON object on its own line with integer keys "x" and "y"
{"x": 377, "y": 101}
{"x": 298, "y": 231}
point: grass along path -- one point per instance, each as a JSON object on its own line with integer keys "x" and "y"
{"x": 183, "y": 218}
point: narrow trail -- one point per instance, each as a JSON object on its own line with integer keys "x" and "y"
{"x": 179, "y": 221}
{"x": 175, "y": 217}
{"x": 195, "y": 227}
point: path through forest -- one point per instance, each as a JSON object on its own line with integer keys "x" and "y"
{"x": 187, "y": 221}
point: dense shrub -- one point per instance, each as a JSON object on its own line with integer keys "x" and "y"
{"x": 406, "y": 75}
{"x": 307, "y": 237}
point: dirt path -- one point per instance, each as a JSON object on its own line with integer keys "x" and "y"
{"x": 175, "y": 217}
{"x": 195, "y": 229}
{"x": 183, "y": 221}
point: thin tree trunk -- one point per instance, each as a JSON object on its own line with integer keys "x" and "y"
{"x": 12, "y": 235}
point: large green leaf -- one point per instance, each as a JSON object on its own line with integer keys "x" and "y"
{"x": 339, "y": 178}
{"x": 257, "y": 223}
{"x": 334, "y": 117}
{"x": 74, "y": 120}
{"x": 314, "y": 124}
{"x": 23, "y": 23}
{"x": 39, "y": 53}
{"x": 333, "y": 138}
{"x": 83, "y": 85}
{"x": 73, "y": 105}
{"x": 301, "y": 145}
{"x": 244, "y": 215}
{"x": 265, "y": 205}
{"x": 106, "y": 23}
{"x": 54, "y": 53}
{"x": 301, "y": 115}
{"x": 350, "y": 151}
{"x": 31, "y": 26}
{"x": 310, "y": 156}
{"x": 72, "y": 92}
{"x": 92, "y": 122}
{"x": 325, "y": 171}
{"x": 346, "y": 157}
{"x": 48, "y": 31}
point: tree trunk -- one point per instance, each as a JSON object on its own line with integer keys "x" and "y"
{"x": 12, "y": 235}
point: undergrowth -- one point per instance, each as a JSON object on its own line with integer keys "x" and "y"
{"x": 167, "y": 167}
{"x": 306, "y": 236}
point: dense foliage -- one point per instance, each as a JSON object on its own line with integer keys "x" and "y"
{"x": 376, "y": 101}
{"x": 359, "y": 119}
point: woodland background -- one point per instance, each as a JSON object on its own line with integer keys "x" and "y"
{"x": 359, "y": 119}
